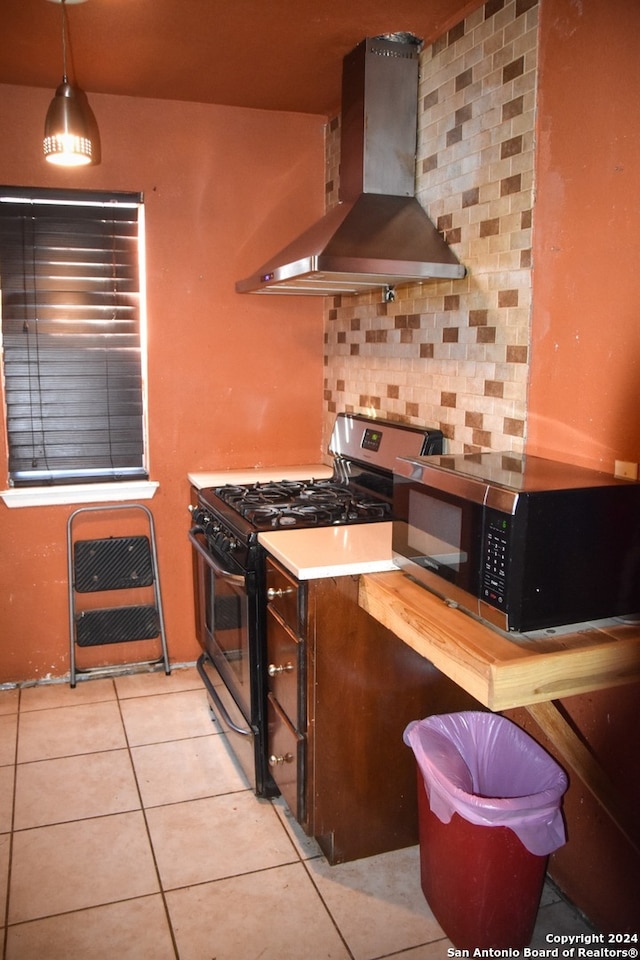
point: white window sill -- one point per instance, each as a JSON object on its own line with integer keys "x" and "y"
{"x": 79, "y": 493}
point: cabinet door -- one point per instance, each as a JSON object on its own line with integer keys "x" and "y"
{"x": 286, "y": 753}
{"x": 283, "y": 667}
{"x": 367, "y": 686}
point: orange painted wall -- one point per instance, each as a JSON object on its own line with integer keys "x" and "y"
{"x": 233, "y": 380}
{"x": 585, "y": 351}
{"x": 585, "y": 370}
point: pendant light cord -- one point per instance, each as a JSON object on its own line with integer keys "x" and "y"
{"x": 64, "y": 41}
{"x": 71, "y": 135}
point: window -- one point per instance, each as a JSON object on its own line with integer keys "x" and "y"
{"x": 72, "y": 336}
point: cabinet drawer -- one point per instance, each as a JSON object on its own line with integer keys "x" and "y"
{"x": 282, "y": 594}
{"x": 284, "y": 666}
{"x": 286, "y": 753}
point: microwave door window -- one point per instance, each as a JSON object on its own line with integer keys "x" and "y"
{"x": 435, "y": 535}
{"x": 424, "y": 546}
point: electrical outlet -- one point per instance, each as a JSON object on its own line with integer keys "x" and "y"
{"x": 626, "y": 470}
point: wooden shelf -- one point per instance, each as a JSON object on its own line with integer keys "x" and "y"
{"x": 499, "y": 671}
{"x": 503, "y": 672}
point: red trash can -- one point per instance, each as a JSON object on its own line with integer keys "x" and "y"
{"x": 489, "y": 815}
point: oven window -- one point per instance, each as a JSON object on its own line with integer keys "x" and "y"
{"x": 225, "y": 633}
{"x": 435, "y": 531}
{"x": 228, "y": 623}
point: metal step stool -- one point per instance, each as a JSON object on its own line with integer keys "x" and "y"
{"x": 110, "y": 565}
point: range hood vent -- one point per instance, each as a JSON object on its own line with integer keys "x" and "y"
{"x": 378, "y": 235}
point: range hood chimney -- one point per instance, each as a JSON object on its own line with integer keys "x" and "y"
{"x": 378, "y": 235}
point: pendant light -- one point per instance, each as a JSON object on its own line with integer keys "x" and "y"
{"x": 71, "y": 136}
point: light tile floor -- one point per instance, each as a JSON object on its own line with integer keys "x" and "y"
{"x": 126, "y": 831}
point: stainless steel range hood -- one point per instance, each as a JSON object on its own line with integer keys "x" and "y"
{"x": 378, "y": 235}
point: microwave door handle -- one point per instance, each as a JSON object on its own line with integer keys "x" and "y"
{"x": 235, "y": 579}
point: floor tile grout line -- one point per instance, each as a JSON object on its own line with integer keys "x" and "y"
{"x": 156, "y": 866}
{"x": 11, "y": 832}
{"x": 70, "y": 756}
{"x": 65, "y": 706}
{"x": 78, "y": 910}
{"x": 123, "y": 748}
{"x": 64, "y": 823}
{"x": 233, "y": 876}
{"x": 329, "y": 913}
{"x": 63, "y": 685}
{"x": 128, "y": 748}
{"x": 417, "y": 946}
{"x": 288, "y": 833}
{"x": 297, "y": 858}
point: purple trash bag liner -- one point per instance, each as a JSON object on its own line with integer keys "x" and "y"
{"x": 489, "y": 771}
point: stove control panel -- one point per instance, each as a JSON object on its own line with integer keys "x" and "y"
{"x": 215, "y": 533}
{"x": 379, "y": 443}
{"x": 371, "y": 439}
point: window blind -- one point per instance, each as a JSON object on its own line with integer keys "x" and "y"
{"x": 71, "y": 334}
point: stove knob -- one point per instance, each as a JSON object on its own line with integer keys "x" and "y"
{"x": 225, "y": 543}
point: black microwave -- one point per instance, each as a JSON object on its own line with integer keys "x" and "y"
{"x": 522, "y": 542}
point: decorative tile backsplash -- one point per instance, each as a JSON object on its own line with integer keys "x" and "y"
{"x": 454, "y": 354}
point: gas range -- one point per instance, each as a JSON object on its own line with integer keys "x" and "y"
{"x": 360, "y": 490}
{"x": 232, "y": 516}
{"x": 230, "y": 588}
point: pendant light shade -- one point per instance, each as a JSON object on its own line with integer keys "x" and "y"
{"x": 70, "y": 128}
{"x": 71, "y": 136}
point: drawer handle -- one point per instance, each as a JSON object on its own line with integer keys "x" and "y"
{"x": 276, "y": 761}
{"x": 273, "y": 671}
{"x": 272, "y": 592}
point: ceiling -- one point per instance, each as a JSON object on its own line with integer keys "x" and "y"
{"x": 269, "y": 54}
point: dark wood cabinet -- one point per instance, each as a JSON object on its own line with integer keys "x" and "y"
{"x": 335, "y": 743}
{"x": 286, "y": 668}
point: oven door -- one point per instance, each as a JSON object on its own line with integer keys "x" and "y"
{"x": 227, "y": 630}
{"x": 437, "y": 540}
{"x": 223, "y": 617}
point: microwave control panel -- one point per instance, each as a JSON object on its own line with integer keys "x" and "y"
{"x": 495, "y": 557}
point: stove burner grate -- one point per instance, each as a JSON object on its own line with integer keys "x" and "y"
{"x": 309, "y": 503}
{"x": 295, "y": 515}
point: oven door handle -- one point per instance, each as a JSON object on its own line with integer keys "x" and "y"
{"x": 234, "y": 579}
{"x": 211, "y": 690}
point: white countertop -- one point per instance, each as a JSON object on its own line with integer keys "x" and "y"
{"x": 310, "y": 554}
{"x": 217, "y": 478}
